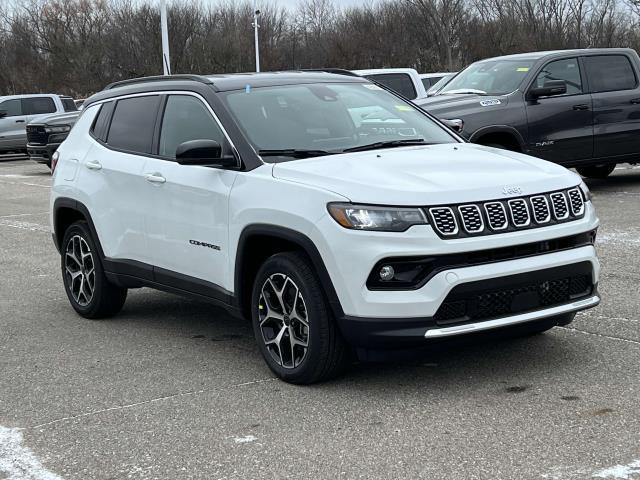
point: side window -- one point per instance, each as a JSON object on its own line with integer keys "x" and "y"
{"x": 398, "y": 82}
{"x": 186, "y": 118}
{"x": 567, "y": 69}
{"x": 12, "y": 107}
{"x": 607, "y": 73}
{"x": 69, "y": 105}
{"x": 101, "y": 122}
{"x": 133, "y": 124}
{"x": 38, "y": 105}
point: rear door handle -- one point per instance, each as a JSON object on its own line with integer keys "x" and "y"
{"x": 635, "y": 101}
{"x": 19, "y": 121}
{"x": 155, "y": 178}
{"x": 583, "y": 106}
{"x": 93, "y": 165}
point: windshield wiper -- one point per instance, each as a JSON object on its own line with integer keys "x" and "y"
{"x": 294, "y": 153}
{"x": 388, "y": 144}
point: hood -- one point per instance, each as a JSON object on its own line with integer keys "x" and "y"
{"x": 462, "y": 103}
{"x": 67, "y": 118}
{"x": 428, "y": 175}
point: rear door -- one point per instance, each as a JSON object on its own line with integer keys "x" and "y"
{"x": 188, "y": 215}
{"x": 13, "y": 133}
{"x": 616, "y": 105}
{"x": 112, "y": 174}
{"x": 561, "y": 126}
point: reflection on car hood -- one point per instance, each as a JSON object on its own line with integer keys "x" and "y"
{"x": 461, "y": 100}
{"x": 427, "y": 175}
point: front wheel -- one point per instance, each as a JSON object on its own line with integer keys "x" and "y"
{"x": 292, "y": 322}
{"x": 596, "y": 171}
{"x": 88, "y": 289}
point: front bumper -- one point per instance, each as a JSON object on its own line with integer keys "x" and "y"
{"x": 42, "y": 153}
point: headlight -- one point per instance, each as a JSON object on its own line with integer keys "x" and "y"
{"x": 585, "y": 191}
{"x": 384, "y": 219}
{"x": 57, "y": 129}
{"x": 456, "y": 124}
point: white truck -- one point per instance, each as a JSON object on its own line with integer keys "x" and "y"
{"x": 405, "y": 81}
{"x": 16, "y": 111}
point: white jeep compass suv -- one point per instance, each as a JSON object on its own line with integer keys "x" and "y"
{"x": 333, "y": 214}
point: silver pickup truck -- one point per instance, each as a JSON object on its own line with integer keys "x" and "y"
{"x": 16, "y": 111}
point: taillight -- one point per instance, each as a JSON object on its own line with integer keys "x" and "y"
{"x": 54, "y": 161}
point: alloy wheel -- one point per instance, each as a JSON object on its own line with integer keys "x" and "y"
{"x": 283, "y": 321}
{"x": 80, "y": 270}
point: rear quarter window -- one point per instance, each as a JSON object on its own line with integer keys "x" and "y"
{"x": 101, "y": 122}
{"x": 69, "y": 105}
{"x": 608, "y": 73}
{"x": 133, "y": 124}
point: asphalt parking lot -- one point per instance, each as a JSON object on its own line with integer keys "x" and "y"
{"x": 173, "y": 388}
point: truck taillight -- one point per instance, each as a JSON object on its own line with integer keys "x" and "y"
{"x": 54, "y": 161}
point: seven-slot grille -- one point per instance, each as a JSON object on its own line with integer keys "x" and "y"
{"x": 507, "y": 215}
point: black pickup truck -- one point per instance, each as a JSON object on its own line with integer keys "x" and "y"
{"x": 579, "y": 108}
{"x": 45, "y": 135}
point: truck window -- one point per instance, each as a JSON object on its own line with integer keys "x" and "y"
{"x": 38, "y": 105}
{"x": 12, "y": 107}
{"x": 610, "y": 72}
{"x": 566, "y": 69}
{"x": 69, "y": 105}
{"x": 398, "y": 82}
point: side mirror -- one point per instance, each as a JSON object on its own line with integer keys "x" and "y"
{"x": 550, "y": 88}
{"x": 207, "y": 153}
{"x": 3, "y": 113}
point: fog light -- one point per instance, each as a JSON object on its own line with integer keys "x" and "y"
{"x": 387, "y": 273}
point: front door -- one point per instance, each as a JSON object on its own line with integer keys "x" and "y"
{"x": 13, "y": 133}
{"x": 188, "y": 219}
{"x": 561, "y": 126}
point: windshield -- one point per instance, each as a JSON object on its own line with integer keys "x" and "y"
{"x": 299, "y": 121}
{"x": 493, "y": 77}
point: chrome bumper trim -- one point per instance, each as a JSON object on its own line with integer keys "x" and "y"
{"x": 514, "y": 319}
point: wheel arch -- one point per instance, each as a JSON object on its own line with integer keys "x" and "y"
{"x": 257, "y": 242}
{"x": 67, "y": 211}
{"x": 499, "y": 131}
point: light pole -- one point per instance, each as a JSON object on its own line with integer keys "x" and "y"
{"x": 256, "y": 12}
{"x": 166, "y": 60}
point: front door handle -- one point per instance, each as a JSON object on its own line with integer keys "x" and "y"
{"x": 93, "y": 165}
{"x": 583, "y": 106}
{"x": 19, "y": 121}
{"x": 155, "y": 178}
{"x": 635, "y": 101}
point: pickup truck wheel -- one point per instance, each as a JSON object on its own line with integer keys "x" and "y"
{"x": 87, "y": 287}
{"x": 292, "y": 322}
{"x": 596, "y": 171}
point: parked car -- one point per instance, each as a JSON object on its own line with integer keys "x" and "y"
{"x": 573, "y": 107}
{"x": 439, "y": 85}
{"x": 404, "y": 81}
{"x": 45, "y": 135}
{"x": 16, "y": 111}
{"x": 430, "y": 79}
{"x": 272, "y": 196}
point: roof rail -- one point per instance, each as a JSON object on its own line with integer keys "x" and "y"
{"x": 158, "y": 78}
{"x": 337, "y": 71}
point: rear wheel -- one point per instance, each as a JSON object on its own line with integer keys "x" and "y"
{"x": 86, "y": 285}
{"x": 596, "y": 171}
{"x": 293, "y": 325}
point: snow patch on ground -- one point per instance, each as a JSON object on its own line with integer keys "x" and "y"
{"x": 620, "y": 472}
{"x": 17, "y": 462}
{"x": 245, "y": 439}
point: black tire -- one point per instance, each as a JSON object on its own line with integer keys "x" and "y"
{"x": 105, "y": 299}
{"x": 596, "y": 171}
{"x": 326, "y": 352}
